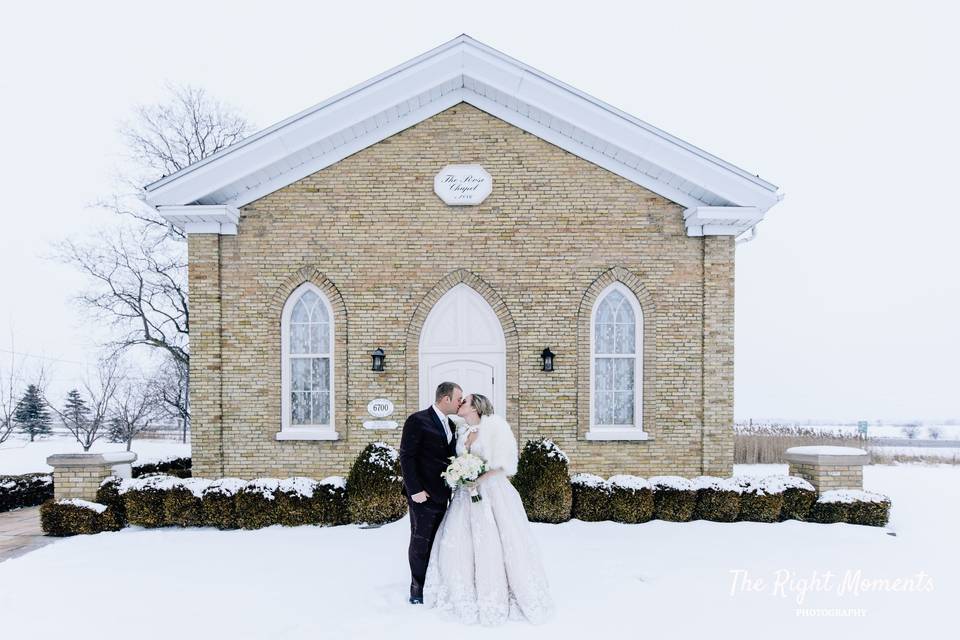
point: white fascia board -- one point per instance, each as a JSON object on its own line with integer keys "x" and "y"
{"x": 720, "y": 221}
{"x": 202, "y": 218}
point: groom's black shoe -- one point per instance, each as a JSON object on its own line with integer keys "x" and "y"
{"x": 416, "y": 599}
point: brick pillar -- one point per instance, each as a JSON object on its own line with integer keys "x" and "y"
{"x": 828, "y": 467}
{"x": 206, "y": 411}
{"x": 78, "y": 475}
{"x": 718, "y": 265}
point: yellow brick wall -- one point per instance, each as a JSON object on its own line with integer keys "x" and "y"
{"x": 370, "y": 231}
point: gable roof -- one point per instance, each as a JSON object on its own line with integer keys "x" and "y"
{"x": 718, "y": 197}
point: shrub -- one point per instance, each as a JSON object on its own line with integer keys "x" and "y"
{"x": 853, "y": 506}
{"x": 71, "y": 517}
{"x": 374, "y": 493}
{"x": 590, "y": 497}
{"x": 673, "y": 498}
{"x": 143, "y": 499}
{"x": 219, "y": 503}
{"x": 306, "y": 501}
{"x": 256, "y": 503}
{"x": 182, "y": 503}
{"x": 109, "y": 494}
{"x": 543, "y": 482}
{"x": 179, "y": 467}
{"x": 27, "y": 490}
{"x": 718, "y": 499}
{"x": 760, "y": 500}
{"x": 631, "y": 499}
{"x": 798, "y": 497}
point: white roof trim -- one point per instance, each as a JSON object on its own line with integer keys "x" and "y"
{"x": 464, "y": 70}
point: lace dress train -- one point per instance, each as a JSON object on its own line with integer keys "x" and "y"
{"x": 485, "y": 566}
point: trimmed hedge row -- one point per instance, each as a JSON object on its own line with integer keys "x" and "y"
{"x": 26, "y": 490}
{"x": 72, "y": 516}
{"x": 743, "y": 498}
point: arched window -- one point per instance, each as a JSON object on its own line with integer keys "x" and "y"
{"x": 306, "y": 329}
{"x": 616, "y": 365}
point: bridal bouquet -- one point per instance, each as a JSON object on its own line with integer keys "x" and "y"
{"x": 464, "y": 471}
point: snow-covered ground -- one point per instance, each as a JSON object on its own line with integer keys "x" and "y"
{"x": 19, "y": 455}
{"x": 657, "y": 579}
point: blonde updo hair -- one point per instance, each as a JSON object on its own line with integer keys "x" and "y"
{"x": 482, "y": 404}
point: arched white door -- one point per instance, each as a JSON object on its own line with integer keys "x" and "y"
{"x": 462, "y": 341}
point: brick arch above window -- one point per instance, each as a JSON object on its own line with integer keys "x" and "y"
{"x": 323, "y": 285}
{"x": 511, "y": 339}
{"x": 634, "y": 284}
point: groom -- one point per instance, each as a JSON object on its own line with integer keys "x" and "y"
{"x": 429, "y": 439}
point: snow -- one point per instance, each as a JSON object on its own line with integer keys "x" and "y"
{"x": 337, "y": 482}
{"x": 715, "y": 483}
{"x": 158, "y": 481}
{"x": 84, "y": 504}
{"x": 670, "y": 482}
{"x": 628, "y": 482}
{"x": 298, "y": 485}
{"x": 264, "y": 486}
{"x": 383, "y": 455}
{"x": 780, "y": 483}
{"x": 826, "y": 450}
{"x": 609, "y": 580}
{"x": 196, "y": 486}
{"x": 19, "y": 455}
{"x": 588, "y": 480}
{"x": 226, "y": 486}
{"x": 851, "y": 495}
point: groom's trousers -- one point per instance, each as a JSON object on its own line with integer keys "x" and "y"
{"x": 425, "y": 519}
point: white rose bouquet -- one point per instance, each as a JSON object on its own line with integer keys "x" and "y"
{"x": 463, "y": 471}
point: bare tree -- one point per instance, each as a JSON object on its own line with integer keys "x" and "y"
{"x": 137, "y": 271}
{"x": 86, "y": 418}
{"x": 935, "y": 433}
{"x": 171, "y": 386}
{"x": 135, "y": 410}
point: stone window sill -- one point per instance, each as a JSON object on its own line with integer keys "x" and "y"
{"x": 308, "y": 434}
{"x": 617, "y": 434}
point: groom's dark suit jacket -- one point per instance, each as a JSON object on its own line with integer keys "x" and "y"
{"x": 425, "y": 454}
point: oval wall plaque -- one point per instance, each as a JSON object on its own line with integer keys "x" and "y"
{"x": 380, "y": 408}
{"x": 463, "y": 184}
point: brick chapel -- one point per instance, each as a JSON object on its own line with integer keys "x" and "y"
{"x": 462, "y": 217}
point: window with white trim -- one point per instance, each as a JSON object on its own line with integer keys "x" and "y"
{"x": 616, "y": 364}
{"x": 306, "y": 329}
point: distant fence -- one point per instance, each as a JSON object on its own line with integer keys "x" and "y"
{"x": 169, "y": 431}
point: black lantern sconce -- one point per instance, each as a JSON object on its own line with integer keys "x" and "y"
{"x": 547, "y": 357}
{"x": 377, "y": 355}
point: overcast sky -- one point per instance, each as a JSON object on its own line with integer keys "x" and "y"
{"x": 848, "y": 301}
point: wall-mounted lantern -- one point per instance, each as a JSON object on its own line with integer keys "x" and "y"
{"x": 377, "y": 355}
{"x": 547, "y": 357}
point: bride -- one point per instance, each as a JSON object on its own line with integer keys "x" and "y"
{"x": 484, "y": 564}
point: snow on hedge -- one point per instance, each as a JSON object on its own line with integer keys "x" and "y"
{"x": 196, "y": 486}
{"x": 83, "y": 504}
{"x": 551, "y": 449}
{"x": 676, "y": 483}
{"x": 715, "y": 483}
{"x": 851, "y": 495}
{"x": 299, "y": 486}
{"x": 337, "y": 482}
{"x": 588, "y": 480}
{"x": 781, "y": 482}
{"x": 383, "y": 455}
{"x": 625, "y": 481}
{"x": 225, "y": 486}
{"x": 153, "y": 481}
{"x": 264, "y": 486}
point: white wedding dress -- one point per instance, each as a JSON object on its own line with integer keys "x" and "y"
{"x": 484, "y": 564}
